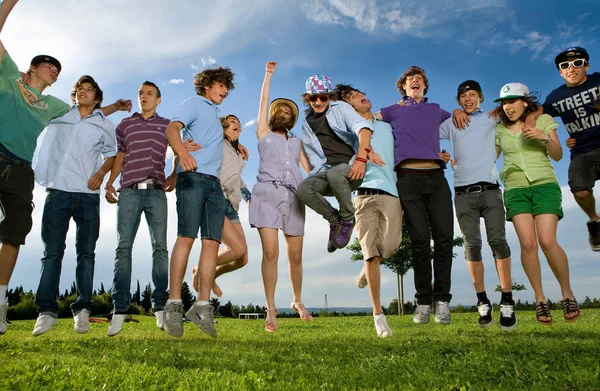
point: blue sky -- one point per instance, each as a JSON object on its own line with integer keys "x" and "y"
{"x": 368, "y": 43}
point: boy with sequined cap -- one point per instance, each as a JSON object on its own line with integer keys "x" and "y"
{"x": 337, "y": 141}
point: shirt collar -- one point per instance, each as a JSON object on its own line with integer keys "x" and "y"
{"x": 210, "y": 103}
{"x": 139, "y": 115}
{"x": 410, "y": 100}
{"x": 95, "y": 112}
{"x": 476, "y": 112}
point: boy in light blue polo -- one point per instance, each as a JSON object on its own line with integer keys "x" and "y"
{"x": 76, "y": 153}
{"x": 477, "y": 195}
{"x": 378, "y": 211}
{"x": 200, "y": 201}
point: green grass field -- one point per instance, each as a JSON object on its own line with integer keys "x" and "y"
{"x": 327, "y": 354}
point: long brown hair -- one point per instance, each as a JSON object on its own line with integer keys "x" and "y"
{"x": 279, "y": 122}
{"x": 235, "y": 144}
{"x": 532, "y": 107}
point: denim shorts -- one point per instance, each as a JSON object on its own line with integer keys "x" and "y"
{"x": 200, "y": 206}
{"x": 231, "y": 213}
{"x": 584, "y": 171}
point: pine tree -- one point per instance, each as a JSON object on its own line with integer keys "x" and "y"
{"x": 186, "y": 296}
{"x": 147, "y": 298}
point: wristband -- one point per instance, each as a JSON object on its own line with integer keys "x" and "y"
{"x": 361, "y": 159}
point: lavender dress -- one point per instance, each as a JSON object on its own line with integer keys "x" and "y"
{"x": 274, "y": 202}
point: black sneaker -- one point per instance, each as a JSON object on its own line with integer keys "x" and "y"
{"x": 508, "y": 319}
{"x": 594, "y": 231}
{"x": 485, "y": 314}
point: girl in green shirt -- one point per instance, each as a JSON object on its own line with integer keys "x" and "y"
{"x": 532, "y": 196}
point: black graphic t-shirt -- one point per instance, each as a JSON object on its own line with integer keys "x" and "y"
{"x": 575, "y": 107}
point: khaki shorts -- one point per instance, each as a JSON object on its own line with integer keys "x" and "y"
{"x": 378, "y": 225}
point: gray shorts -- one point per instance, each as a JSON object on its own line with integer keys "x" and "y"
{"x": 470, "y": 208}
{"x": 584, "y": 171}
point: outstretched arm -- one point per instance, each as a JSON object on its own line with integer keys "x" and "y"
{"x": 262, "y": 122}
{"x": 5, "y": 8}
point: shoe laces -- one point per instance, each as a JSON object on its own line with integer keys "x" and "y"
{"x": 83, "y": 315}
{"x": 381, "y": 324}
{"x": 443, "y": 308}
{"x": 176, "y": 313}
{"x": 346, "y": 227}
{"x": 483, "y": 309}
{"x": 594, "y": 228}
{"x": 423, "y": 309}
{"x": 506, "y": 310}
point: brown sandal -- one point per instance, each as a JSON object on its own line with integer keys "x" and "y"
{"x": 543, "y": 311}
{"x": 570, "y": 307}
{"x": 301, "y": 310}
{"x": 271, "y": 324}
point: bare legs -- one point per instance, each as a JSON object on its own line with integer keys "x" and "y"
{"x": 542, "y": 228}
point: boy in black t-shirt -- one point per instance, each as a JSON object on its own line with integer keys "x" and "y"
{"x": 577, "y": 103}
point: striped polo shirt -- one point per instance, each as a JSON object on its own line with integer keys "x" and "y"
{"x": 526, "y": 162}
{"x": 144, "y": 143}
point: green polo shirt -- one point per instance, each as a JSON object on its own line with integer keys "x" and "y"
{"x": 24, "y": 111}
{"x": 526, "y": 161}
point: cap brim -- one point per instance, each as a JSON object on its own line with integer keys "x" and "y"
{"x": 509, "y": 97}
{"x": 279, "y": 101}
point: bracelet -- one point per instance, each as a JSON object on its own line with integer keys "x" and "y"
{"x": 547, "y": 139}
{"x": 269, "y": 71}
{"x": 102, "y": 172}
{"x": 361, "y": 159}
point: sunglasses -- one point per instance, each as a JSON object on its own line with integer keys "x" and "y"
{"x": 322, "y": 98}
{"x": 576, "y": 64}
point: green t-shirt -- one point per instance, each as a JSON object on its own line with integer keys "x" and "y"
{"x": 24, "y": 112}
{"x": 526, "y": 161}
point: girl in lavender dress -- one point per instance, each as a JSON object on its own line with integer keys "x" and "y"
{"x": 274, "y": 204}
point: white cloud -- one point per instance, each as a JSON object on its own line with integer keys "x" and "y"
{"x": 250, "y": 123}
{"x": 129, "y": 43}
{"x": 176, "y": 81}
{"x": 272, "y": 41}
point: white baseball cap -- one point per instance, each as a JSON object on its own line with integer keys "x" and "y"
{"x": 512, "y": 91}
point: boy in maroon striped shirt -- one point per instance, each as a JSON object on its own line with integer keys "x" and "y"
{"x": 142, "y": 147}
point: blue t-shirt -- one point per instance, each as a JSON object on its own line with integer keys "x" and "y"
{"x": 200, "y": 117}
{"x": 575, "y": 107}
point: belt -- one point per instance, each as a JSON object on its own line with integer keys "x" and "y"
{"x": 474, "y": 189}
{"x": 14, "y": 161}
{"x": 365, "y": 191}
{"x": 146, "y": 186}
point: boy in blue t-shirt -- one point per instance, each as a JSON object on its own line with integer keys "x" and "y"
{"x": 577, "y": 103}
{"x": 200, "y": 202}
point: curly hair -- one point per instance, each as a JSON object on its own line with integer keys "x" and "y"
{"x": 532, "y": 107}
{"x": 343, "y": 92}
{"x": 99, "y": 95}
{"x": 208, "y": 77}
{"x": 414, "y": 70}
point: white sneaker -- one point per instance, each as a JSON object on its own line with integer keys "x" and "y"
{"x": 422, "y": 312}
{"x": 3, "y": 311}
{"x": 361, "y": 281}
{"x": 82, "y": 321}
{"x": 43, "y": 324}
{"x": 383, "y": 330}
{"x": 442, "y": 312}
{"x": 116, "y": 324}
{"x": 160, "y": 319}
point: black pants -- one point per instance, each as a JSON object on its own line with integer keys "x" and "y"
{"x": 427, "y": 204}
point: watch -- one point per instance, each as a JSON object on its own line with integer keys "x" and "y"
{"x": 547, "y": 139}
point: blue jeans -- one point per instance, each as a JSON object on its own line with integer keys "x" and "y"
{"x": 59, "y": 208}
{"x": 131, "y": 204}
